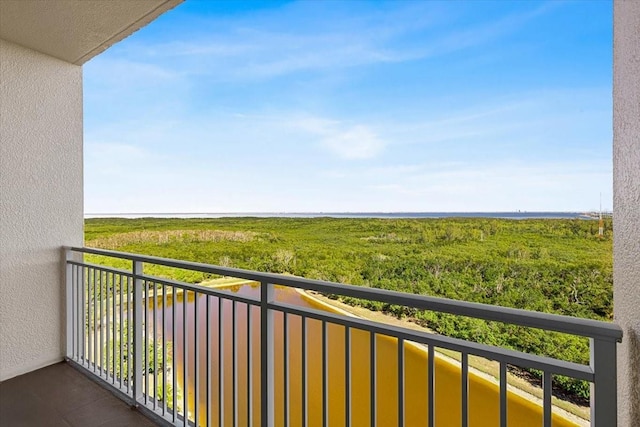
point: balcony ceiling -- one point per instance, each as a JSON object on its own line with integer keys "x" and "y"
{"x": 73, "y": 30}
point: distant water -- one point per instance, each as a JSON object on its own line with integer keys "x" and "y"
{"x": 502, "y": 215}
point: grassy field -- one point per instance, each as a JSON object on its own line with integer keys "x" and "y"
{"x": 556, "y": 266}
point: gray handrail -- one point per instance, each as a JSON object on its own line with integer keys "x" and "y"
{"x": 553, "y": 322}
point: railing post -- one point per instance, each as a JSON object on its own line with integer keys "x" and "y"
{"x": 69, "y": 302}
{"x": 138, "y": 344}
{"x": 267, "y": 379}
{"x": 603, "y": 389}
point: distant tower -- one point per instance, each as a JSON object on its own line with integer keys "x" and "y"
{"x": 601, "y": 222}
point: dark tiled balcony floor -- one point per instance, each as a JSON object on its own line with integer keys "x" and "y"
{"x": 59, "y": 395}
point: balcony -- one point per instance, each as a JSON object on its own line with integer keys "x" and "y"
{"x": 179, "y": 351}
{"x": 42, "y": 48}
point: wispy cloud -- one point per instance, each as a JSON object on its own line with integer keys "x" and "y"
{"x": 504, "y": 186}
{"x": 477, "y": 35}
{"x": 114, "y": 150}
{"x": 122, "y": 72}
{"x": 345, "y": 140}
{"x": 254, "y": 49}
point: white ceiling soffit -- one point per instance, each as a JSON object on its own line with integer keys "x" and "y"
{"x": 75, "y": 30}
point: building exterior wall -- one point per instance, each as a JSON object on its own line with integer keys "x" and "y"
{"x": 626, "y": 194}
{"x": 41, "y": 202}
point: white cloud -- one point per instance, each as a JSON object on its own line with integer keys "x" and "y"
{"x": 357, "y": 142}
{"x": 351, "y": 142}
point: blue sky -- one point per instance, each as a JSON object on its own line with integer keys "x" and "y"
{"x": 326, "y": 106}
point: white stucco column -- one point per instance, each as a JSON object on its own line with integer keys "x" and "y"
{"x": 41, "y": 202}
{"x": 626, "y": 203}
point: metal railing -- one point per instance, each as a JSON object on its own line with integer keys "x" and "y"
{"x": 193, "y": 355}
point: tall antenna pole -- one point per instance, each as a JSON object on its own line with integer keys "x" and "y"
{"x": 601, "y": 222}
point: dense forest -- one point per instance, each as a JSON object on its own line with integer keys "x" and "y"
{"x": 555, "y": 266}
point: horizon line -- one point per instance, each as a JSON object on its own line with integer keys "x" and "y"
{"x": 339, "y": 212}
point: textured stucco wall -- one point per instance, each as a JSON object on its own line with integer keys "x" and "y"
{"x": 41, "y": 202}
{"x": 73, "y": 30}
{"x": 626, "y": 194}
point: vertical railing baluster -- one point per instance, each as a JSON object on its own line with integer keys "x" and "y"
{"x": 108, "y": 329}
{"x": 249, "y": 369}
{"x": 163, "y": 309}
{"x": 74, "y": 315}
{"x": 95, "y": 321}
{"x": 196, "y": 351}
{"x": 400, "y": 382}
{"x": 373, "y": 373}
{"x": 69, "y": 302}
{"x": 114, "y": 325}
{"x": 73, "y": 319}
{"x": 104, "y": 345}
{"x": 208, "y": 351}
{"x": 101, "y": 316}
{"x": 347, "y": 376}
{"x": 220, "y": 363}
{"x": 108, "y": 322}
{"x": 121, "y": 328}
{"x": 503, "y": 394}
{"x": 603, "y": 388}
{"x": 325, "y": 376}
{"x": 431, "y": 374}
{"x": 130, "y": 305}
{"x": 185, "y": 358}
{"x": 547, "y": 383}
{"x": 267, "y": 362}
{"x": 305, "y": 400}
{"x": 174, "y": 363}
{"x": 285, "y": 366}
{"x": 234, "y": 365}
{"x": 113, "y": 328}
{"x": 85, "y": 316}
{"x": 79, "y": 312}
{"x": 137, "y": 332}
{"x": 89, "y": 323}
{"x": 77, "y": 283}
{"x": 146, "y": 363}
{"x": 76, "y": 311}
{"x": 77, "y": 322}
{"x": 465, "y": 389}
{"x": 154, "y": 344}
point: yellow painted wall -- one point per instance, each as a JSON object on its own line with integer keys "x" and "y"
{"x": 483, "y": 394}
